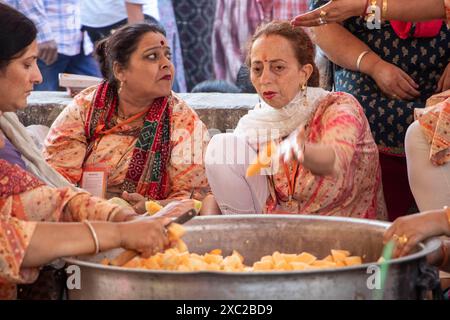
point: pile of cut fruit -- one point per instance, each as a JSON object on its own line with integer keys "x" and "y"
{"x": 178, "y": 258}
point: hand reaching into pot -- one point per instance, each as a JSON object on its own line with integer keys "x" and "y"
{"x": 408, "y": 231}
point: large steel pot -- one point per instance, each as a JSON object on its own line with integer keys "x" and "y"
{"x": 254, "y": 237}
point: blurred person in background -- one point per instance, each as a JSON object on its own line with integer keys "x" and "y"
{"x": 63, "y": 46}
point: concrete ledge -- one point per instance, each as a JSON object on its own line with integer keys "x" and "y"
{"x": 219, "y": 111}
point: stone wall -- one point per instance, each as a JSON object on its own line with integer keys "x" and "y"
{"x": 219, "y": 111}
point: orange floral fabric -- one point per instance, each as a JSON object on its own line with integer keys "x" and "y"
{"x": 24, "y": 200}
{"x": 66, "y": 144}
{"x": 435, "y": 123}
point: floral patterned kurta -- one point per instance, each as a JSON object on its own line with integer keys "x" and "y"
{"x": 355, "y": 190}
{"x": 24, "y": 200}
{"x": 66, "y": 143}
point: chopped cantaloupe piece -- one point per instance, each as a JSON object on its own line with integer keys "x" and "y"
{"x": 300, "y": 266}
{"x": 181, "y": 246}
{"x": 262, "y": 160}
{"x": 263, "y": 266}
{"x": 351, "y": 261}
{"x": 175, "y": 231}
{"x": 179, "y": 259}
{"x": 235, "y": 253}
{"x": 152, "y": 207}
{"x": 306, "y": 258}
{"x": 213, "y": 258}
{"x": 339, "y": 255}
{"x": 283, "y": 266}
{"x": 267, "y": 258}
{"x": 323, "y": 264}
{"x": 290, "y": 257}
{"x": 216, "y": 252}
{"x": 232, "y": 261}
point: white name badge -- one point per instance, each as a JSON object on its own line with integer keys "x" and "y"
{"x": 94, "y": 181}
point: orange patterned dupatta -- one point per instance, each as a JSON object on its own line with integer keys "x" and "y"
{"x": 147, "y": 172}
{"x": 435, "y": 123}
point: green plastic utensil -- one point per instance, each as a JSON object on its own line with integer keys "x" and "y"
{"x": 388, "y": 250}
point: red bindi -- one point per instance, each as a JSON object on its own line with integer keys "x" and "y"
{"x": 162, "y": 42}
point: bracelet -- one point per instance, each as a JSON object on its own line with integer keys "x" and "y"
{"x": 384, "y": 10}
{"x": 113, "y": 213}
{"x": 447, "y": 213}
{"x": 94, "y": 235}
{"x": 361, "y": 56}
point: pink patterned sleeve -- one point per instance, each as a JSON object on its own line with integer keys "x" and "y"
{"x": 340, "y": 126}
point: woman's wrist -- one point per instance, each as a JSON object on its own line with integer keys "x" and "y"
{"x": 120, "y": 230}
{"x": 369, "y": 63}
{"x": 446, "y": 223}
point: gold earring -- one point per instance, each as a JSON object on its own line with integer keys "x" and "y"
{"x": 120, "y": 87}
{"x": 305, "y": 93}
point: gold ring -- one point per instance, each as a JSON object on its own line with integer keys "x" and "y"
{"x": 323, "y": 14}
{"x": 401, "y": 240}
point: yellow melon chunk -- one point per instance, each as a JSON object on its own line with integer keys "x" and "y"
{"x": 233, "y": 262}
{"x": 299, "y": 266}
{"x": 263, "y": 266}
{"x": 152, "y": 207}
{"x": 339, "y": 255}
{"x": 354, "y": 260}
{"x": 213, "y": 258}
{"x": 305, "y": 257}
{"x": 262, "y": 160}
{"x": 267, "y": 258}
{"x": 340, "y": 264}
{"x": 216, "y": 252}
{"x": 181, "y": 246}
{"x": 290, "y": 257}
{"x": 277, "y": 257}
{"x": 175, "y": 231}
{"x": 235, "y": 253}
{"x": 323, "y": 264}
{"x": 282, "y": 266}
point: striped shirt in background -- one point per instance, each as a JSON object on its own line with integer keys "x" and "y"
{"x": 58, "y": 20}
{"x": 235, "y": 23}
